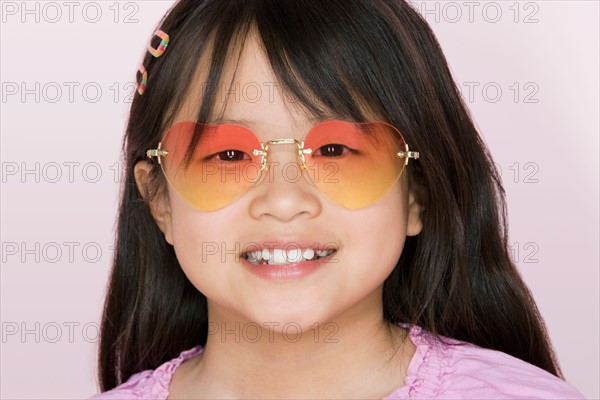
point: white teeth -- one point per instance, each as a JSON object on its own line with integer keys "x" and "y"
{"x": 253, "y": 257}
{"x": 294, "y": 255}
{"x": 308, "y": 254}
{"x": 280, "y": 256}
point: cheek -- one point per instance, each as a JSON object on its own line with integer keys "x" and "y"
{"x": 197, "y": 239}
{"x": 389, "y": 216}
{"x": 387, "y": 219}
{"x": 378, "y": 234}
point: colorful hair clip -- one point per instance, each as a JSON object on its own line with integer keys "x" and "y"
{"x": 142, "y": 85}
{"x": 159, "y": 51}
{"x": 162, "y": 46}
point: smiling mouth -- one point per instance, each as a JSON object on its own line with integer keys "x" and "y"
{"x": 283, "y": 257}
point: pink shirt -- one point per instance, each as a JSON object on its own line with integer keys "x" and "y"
{"x": 436, "y": 371}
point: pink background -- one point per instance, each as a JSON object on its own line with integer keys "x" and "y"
{"x": 546, "y": 52}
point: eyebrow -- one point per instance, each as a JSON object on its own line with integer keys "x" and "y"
{"x": 244, "y": 122}
{"x": 250, "y": 123}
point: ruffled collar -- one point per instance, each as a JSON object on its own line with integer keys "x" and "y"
{"x": 422, "y": 379}
{"x": 427, "y": 366}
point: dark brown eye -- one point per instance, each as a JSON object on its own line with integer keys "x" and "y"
{"x": 232, "y": 155}
{"x": 331, "y": 150}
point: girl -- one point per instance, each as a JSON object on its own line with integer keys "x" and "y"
{"x": 309, "y": 212}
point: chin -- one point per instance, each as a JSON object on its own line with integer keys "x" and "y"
{"x": 304, "y": 315}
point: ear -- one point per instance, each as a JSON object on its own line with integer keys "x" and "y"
{"x": 414, "y": 225}
{"x": 159, "y": 205}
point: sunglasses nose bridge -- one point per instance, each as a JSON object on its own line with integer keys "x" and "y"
{"x": 288, "y": 146}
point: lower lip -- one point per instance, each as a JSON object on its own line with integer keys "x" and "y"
{"x": 287, "y": 271}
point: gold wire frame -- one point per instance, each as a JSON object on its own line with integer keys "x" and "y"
{"x": 264, "y": 151}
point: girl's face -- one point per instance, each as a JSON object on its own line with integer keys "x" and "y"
{"x": 208, "y": 244}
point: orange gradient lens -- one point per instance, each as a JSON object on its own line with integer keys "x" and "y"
{"x": 353, "y": 164}
{"x": 219, "y": 169}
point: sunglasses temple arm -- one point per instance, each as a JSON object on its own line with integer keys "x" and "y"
{"x": 409, "y": 154}
{"x": 158, "y": 153}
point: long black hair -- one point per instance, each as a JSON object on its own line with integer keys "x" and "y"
{"x": 456, "y": 278}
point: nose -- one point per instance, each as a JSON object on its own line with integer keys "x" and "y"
{"x": 284, "y": 193}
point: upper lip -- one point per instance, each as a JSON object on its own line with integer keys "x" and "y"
{"x": 288, "y": 244}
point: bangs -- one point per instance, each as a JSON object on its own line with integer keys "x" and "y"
{"x": 333, "y": 58}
